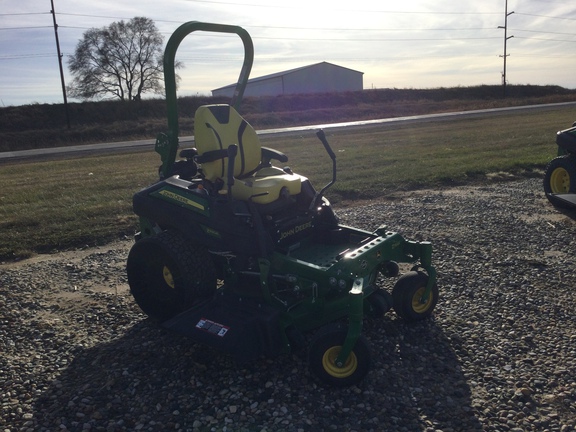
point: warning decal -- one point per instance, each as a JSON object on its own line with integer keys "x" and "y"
{"x": 212, "y": 327}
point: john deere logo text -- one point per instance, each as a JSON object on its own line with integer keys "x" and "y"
{"x": 181, "y": 199}
{"x": 187, "y": 202}
{"x": 295, "y": 230}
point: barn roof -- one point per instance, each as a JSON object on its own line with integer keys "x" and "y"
{"x": 287, "y": 72}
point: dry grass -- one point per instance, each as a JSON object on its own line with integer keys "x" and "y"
{"x": 55, "y": 205}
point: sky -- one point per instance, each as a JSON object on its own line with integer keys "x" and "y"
{"x": 396, "y": 44}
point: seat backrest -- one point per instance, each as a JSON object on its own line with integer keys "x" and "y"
{"x": 218, "y": 126}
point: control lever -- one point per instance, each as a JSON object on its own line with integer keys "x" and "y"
{"x": 232, "y": 152}
{"x": 322, "y": 137}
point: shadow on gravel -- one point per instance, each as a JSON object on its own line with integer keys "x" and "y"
{"x": 151, "y": 380}
{"x": 418, "y": 369}
{"x": 568, "y": 212}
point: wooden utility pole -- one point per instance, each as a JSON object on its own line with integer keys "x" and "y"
{"x": 506, "y": 37}
{"x": 53, "y": 12}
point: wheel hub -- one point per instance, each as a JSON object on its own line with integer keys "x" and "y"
{"x": 168, "y": 278}
{"x": 418, "y": 303}
{"x": 342, "y": 371}
{"x": 560, "y": 181}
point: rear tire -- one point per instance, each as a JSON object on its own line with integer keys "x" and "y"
{"x": 560, "y": 178}
{"x": 167, "y": 275}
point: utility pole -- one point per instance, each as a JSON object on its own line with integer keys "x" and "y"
{"x": 506, "y": 37}
{"x": 53, "y": 12}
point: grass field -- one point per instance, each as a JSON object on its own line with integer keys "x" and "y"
{"x": 56, "y": 205}
{"x": 44, "y": 125}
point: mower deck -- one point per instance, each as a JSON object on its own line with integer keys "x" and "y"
{"x": 242, "y": 328}
{"x": 568, "y": 200}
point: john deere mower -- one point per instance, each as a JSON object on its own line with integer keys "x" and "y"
{"x": 250, "y": 258}
{"x": 560, "y": 177}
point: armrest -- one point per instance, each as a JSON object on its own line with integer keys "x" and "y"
{"x": 211, "y": 156}
{"x": 188, "y": 153}
{"x": 268, "y": 154}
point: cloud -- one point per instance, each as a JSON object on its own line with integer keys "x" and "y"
{"x": 396, "y": 44}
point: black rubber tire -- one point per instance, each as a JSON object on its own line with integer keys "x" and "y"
{"x": 168, "y": 275}
{"x": 560, "y": 177}
{"x": 325, "y": 347}
{"x": 407, "y": 293}
{"x": 378, "y": 304}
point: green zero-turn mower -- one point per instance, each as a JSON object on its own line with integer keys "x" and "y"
{"x": 560, "y": 176}
{"x": 250, "y": 258}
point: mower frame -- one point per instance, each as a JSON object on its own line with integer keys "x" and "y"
{"x": 286, "y": 269}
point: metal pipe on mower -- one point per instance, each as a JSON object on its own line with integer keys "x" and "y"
{"x": 322, "y": 137}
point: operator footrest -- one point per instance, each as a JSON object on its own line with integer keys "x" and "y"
{"x": 241, "y": 328}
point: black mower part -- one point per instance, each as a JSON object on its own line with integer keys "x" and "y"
{"x": 168, "y": 275}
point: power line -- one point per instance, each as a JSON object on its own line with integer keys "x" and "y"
{"x": 218, "y": 59}
{"x": 347, "y": 39}
{"x": 371, "y": 29}
{"x": 74, "y": 27}
{"x": 304, "y": 28}
{"x": 23, "y": 56}
{"x": 544, "y": 32}
{"x": 25, "y": 13}
{"x": 546, "y": 16}
{"x": 545, "y": 39}
{"x": 273, "y": 27}
{"x": 24, "y": 28}
{"x": 108, "y": 17}
{"x": 333, "y": 29}
{"x": 377, "y": 39}
{"x": 343, "y": 9}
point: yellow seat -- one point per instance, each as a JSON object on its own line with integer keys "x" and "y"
{"x": 216, "y": 127}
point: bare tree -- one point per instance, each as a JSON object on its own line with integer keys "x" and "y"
{"x": 123, "y": 60}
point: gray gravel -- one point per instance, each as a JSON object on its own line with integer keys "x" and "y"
{"x": 498, "y": 355}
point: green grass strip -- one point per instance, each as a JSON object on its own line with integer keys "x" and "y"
{"x": 56, "y": 205}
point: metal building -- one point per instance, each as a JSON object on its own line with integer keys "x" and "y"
{"x": 321, "y": 77}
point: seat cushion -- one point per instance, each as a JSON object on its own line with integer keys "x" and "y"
{"x": 267, "y": 189}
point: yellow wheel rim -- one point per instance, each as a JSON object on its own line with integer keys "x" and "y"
{"x": 417, "y": 304}
{"x": 168, "y": 278}
{"x": 329, "y": 363}
{"x": 560, "y": 181}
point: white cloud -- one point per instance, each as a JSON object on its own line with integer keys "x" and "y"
{"x": 396, "y": 44}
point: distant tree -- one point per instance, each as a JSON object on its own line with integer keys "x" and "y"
{"x": 123, "y": 60}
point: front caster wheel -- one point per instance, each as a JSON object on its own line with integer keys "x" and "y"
{"x": 408, "y": 296}
{"x": 377, "y": 304}
{"x": 324, "y": 351}
{"x": 560, "y": 178}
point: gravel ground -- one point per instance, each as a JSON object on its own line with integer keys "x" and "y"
{"x": 498, "y": 355}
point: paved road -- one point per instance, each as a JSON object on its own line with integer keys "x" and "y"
{"x": 147, "y": 145}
